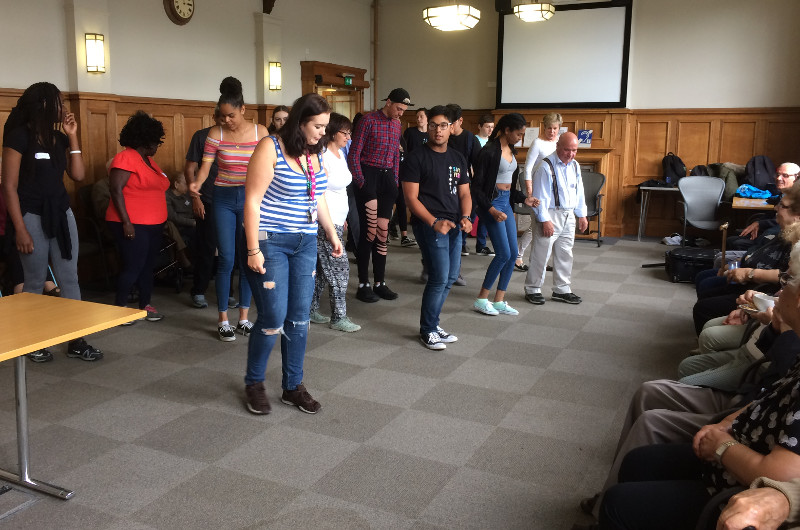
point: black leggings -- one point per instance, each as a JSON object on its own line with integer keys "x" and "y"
{"x": 375, "y": 201}
{"x": 660, "y": 488}
{"x": 138, "y": 257}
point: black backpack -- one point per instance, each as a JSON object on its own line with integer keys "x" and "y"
{"x": 700, "y": 171}
{"x": 760, "y": 173}
{"x": 674, "y": 168}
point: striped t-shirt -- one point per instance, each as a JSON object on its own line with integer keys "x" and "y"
{"x": 232, "y": 158}
{"x": 284, "y": 207}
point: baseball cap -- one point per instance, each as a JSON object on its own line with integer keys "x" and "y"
{"x": 399, "y": 95}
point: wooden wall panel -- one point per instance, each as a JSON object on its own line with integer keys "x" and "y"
{"x": 781, "y": 141}
{"x": 651, "y": 144}
{"x": 694, "y": 143}
{"x": 737, "y": 141}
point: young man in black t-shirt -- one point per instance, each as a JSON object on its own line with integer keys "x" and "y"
{"x": 435, "y": 182}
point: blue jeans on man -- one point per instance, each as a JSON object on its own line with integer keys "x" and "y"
{"x": 441, "y": 254}
{"x": 283, "y": 297}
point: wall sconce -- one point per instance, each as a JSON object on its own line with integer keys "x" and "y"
{"x": 274, "y": 75}
{"x": 95, "y": 53}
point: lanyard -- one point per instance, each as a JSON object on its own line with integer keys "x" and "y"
{"x": 311, "y": 180}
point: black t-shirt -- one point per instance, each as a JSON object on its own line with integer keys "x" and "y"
{"x": 467, "y": 144}
{"x": 195, "y": 154}
{"x": 41, "y": 172}
{"x": 414, "y": 139}
{"x": 438, "y": 175}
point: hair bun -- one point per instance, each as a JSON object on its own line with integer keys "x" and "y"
{"x": 230, "y": 86}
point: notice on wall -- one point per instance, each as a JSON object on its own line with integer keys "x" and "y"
{"x": 531, "y": 133}
{"x": 585, "y": 137}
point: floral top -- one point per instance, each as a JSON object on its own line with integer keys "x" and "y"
{"x": 772, "y": 419}
{"x": 770, "y": 252}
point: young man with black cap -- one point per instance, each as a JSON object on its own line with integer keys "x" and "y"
{"x": 436, "y": 186}
{"x": 374, "y": 161}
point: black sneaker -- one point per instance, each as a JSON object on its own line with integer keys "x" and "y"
{"x": 301, "y": 399}
{"x": 257, "y": 401}
{"x": 567, "y": 298}
{"x": 393, "y": 234}
{"x": 80, "y": 349}
{"x": 365, "y": 294}
{"x": 432, "y": 341}
{"x": 484, "y": 251}
{"x": 384, "y": 292}
{"x": 535, "y": 298}
{"x": 245, "y": 328}
{"x": 227, "y": 333}
{"x": 444, "y": 336}
{"x": 406, "y": 241}
{"x": 464, "y": 251}
{"x": 41, "y": 356}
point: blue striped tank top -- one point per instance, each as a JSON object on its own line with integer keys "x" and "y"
{"x": 284, "y": 207}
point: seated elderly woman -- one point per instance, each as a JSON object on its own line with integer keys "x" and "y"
{"x": 667, "y": 485}
{"x": 761, "y": 265}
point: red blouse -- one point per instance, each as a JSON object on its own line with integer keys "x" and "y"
{"x": 144, "y": 191}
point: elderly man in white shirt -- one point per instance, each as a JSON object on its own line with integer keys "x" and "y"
{"x": 561, "y": 201}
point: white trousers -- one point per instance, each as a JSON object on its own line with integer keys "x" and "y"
{"x": 560, "y": 246}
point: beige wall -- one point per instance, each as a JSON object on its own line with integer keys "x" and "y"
{"x": 149, "y": 56}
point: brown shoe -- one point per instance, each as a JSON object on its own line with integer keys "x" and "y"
{"x": 257, "y": 401}
{"x": 301, "y": 399}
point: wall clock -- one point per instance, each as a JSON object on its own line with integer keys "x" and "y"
{"x": 179, "y": 11}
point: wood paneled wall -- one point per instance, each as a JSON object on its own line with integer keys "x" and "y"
{"x": 627, "y": 145}
{"x": 101, "y": 118}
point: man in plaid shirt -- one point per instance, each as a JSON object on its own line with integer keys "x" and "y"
{"x": 374, "y": 161}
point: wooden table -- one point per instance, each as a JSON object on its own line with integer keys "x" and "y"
{"x": 38, "y": 322}
{"x": 740, "y": 203}
{"x": 645, "y": 201}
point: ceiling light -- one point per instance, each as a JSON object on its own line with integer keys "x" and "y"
{"x": 452, "y": 17}
{"x": 534, "y": 11}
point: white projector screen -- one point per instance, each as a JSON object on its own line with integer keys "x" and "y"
{"x": 578, "y": 58}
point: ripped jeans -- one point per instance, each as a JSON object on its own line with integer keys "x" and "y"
{"x": 283, "y": 298}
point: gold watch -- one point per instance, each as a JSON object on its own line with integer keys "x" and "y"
{"x": 724, "y": 446}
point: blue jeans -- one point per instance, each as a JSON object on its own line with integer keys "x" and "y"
{"x": 504, "y": 237}
{"x": 228, "y": 215}
{"x": 283, "y": 297}
{"x": 442, "y": 255}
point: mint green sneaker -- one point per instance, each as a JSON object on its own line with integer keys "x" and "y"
{"x": 482, "y": 305}
{"x": 344, "y": 324}
{"x": 504, "y": 309}
{"x": 318, "y": 318}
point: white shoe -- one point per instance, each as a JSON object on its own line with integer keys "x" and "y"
{"x": 484, "y": 306}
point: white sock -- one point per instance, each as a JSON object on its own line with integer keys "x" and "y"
{"x": 224, "y": 323}
{"x": 241, "y": 322}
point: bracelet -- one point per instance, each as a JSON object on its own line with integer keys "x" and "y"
{"x": 466, "y": 217}
{"x": 77, "y": 152}
{"x": 253, "y": 252}
{"x": 436, "y": 221}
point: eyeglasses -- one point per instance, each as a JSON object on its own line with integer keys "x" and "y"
{"x": 346, "y": 133}
{"x": 785, "y": 278}
{"x": 785, "y": 175}
{"x": 441, "y": 126}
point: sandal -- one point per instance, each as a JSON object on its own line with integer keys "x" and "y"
{"x": 55, "y": 291}
{"x": 521, "y": 268}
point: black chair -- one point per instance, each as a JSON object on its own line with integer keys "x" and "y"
{"x": 91, "y": 243}
{"x": 593, "y": 184}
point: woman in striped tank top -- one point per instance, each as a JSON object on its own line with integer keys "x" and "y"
{"x": 284, "y": 199}
{"x": 231, "y": 145}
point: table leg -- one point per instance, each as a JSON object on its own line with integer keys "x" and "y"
{"x": 645, "y": 198}
{"x": 23, "y": 478}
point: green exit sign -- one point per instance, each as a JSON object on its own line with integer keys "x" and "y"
{"x": 348, "y": 81}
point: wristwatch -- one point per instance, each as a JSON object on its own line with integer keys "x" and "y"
{"x": 724, "y": 447}
{"x": 751, "y": 274}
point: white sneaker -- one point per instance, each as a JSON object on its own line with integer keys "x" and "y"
{"x": 484, "y": 306}
{"x": 504, "y": 308}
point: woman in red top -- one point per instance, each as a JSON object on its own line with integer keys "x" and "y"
{"x": 138, "y": 210}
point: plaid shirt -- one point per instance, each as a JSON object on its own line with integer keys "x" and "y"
{"x": 376, "y": 143}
